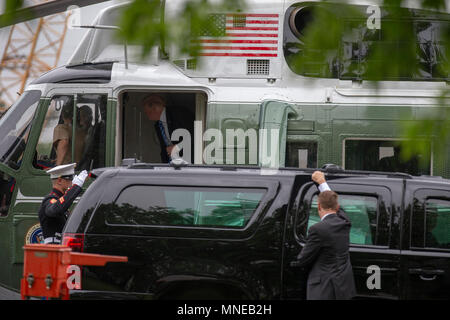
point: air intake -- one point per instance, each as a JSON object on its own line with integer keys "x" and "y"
{"x": 258, "y": 67}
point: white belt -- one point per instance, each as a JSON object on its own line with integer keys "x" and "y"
{"x": 52, "y": 240}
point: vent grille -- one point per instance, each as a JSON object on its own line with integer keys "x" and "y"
{"x": 180, "y": 64}
{"x": 258, "y": 67}
{"x": 189, "y": 64}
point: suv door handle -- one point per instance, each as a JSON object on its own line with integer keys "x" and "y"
{"x": 427, "y": 274}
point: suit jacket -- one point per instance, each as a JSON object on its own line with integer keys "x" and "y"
{"x": 326, "y": 255}
{"x": 176, "y": 120}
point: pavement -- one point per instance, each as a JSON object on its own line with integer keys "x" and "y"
{"x": 6, "y": 294}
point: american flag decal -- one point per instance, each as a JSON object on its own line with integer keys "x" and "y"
{"x": 241, "y": 35}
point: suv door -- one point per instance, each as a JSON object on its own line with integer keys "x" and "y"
{"x": 186, "y": 232}
{"x": 427, "y": 262}
{"x": 371, "y": 213}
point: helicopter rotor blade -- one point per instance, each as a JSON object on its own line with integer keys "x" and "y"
{"x": 45, "y": 9}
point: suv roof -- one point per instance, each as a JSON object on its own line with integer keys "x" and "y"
{"x": 255, "y": 170}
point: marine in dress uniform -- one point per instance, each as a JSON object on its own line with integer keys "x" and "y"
{"x": 53, "y": 211}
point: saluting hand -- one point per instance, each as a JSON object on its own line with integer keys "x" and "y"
{"x": 79, "y": 179}
{"x": 318, "y": 177}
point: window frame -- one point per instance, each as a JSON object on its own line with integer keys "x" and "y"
{"x": 356, "y": 138}
{"x": 422, "y": 196}
{"x": 74, "y": 92}
{"x": 98, "y": 223}
{"x": 32, "y": 123}
{"x": 181, "y": 188}
{"x": 292, "y": 137}
{"x": 379, "y": 192}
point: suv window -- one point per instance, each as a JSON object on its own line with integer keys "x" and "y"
{"x": 430, "y": 227}
{"x": 185, "y": 206}
{"x": 362, "y": 212}
{"x": 437, "y": 224}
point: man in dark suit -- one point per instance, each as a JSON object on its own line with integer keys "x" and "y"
{"x": 166, "y": 121}
{"x": 326, "y": 252}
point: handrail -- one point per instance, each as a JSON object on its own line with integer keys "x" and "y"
{"x": 103, "y": 27}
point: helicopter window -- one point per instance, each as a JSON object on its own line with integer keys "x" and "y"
{"x": 15, "y": 127}
{"x": 90, "y": 131}
{"x": 301, "y": 154}
{"x": 382, "y": 155}
{"x": 73, "y": 134}
{"x": 7, "y": 184}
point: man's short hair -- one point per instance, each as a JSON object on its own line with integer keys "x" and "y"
{"x": 328, "y": 200}
{"x": 153, "y": 98}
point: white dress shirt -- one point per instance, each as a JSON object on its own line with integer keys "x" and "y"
{"x": 324, "y": 187}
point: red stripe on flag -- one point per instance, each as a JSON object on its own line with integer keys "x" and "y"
{"x": 239, "y": 48}
{"x": 238, "y": 41}
{"x": 254, "y": 28}
{"x": 253, "y": 15}
{"x": 256, "y": 35}
{"x": 239, "y": 54}
{"x": 257, "y": 21}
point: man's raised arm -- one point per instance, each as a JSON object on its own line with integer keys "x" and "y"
{"x": 319, "y": 178}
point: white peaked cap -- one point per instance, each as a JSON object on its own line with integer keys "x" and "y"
{"x": 62, "y": 170}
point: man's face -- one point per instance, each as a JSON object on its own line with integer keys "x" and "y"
{"x": 64, "y": 184}
{"x": 85, "y": 119}
{"x": 153, "y": 110}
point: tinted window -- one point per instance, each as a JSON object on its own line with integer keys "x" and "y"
{"x": 380, "y": 155}
{"x": 73, "y": 134}
{"x": 15, "y": 127}
{"x": 358, "y": 46}
{"x": 301, "y": 154}
{"x": 193, "y": 206}
{"x": 437, "y": 224}
{"x": 362, "y": 212}
{"x": 7, "y": 184}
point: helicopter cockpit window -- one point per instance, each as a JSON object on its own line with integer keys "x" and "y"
{"x": 73, "y": 133}
{"x": 7, "y": 184}
{"x": 15, "y": 127}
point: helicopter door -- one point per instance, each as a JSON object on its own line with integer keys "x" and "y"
{"x": 273, "y": 132}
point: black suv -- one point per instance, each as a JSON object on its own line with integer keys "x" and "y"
{"x": 226, "y": 232}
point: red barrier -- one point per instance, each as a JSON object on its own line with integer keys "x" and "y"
{"x": 45, "y": 269}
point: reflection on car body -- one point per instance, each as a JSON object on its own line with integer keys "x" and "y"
{"x": 217, "y": 233}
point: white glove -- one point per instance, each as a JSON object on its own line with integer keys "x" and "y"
{"x": 79, "y": 179}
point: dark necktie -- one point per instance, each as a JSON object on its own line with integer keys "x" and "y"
{"x": 164, "y": 137}
{"x": 163, "y": 133}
